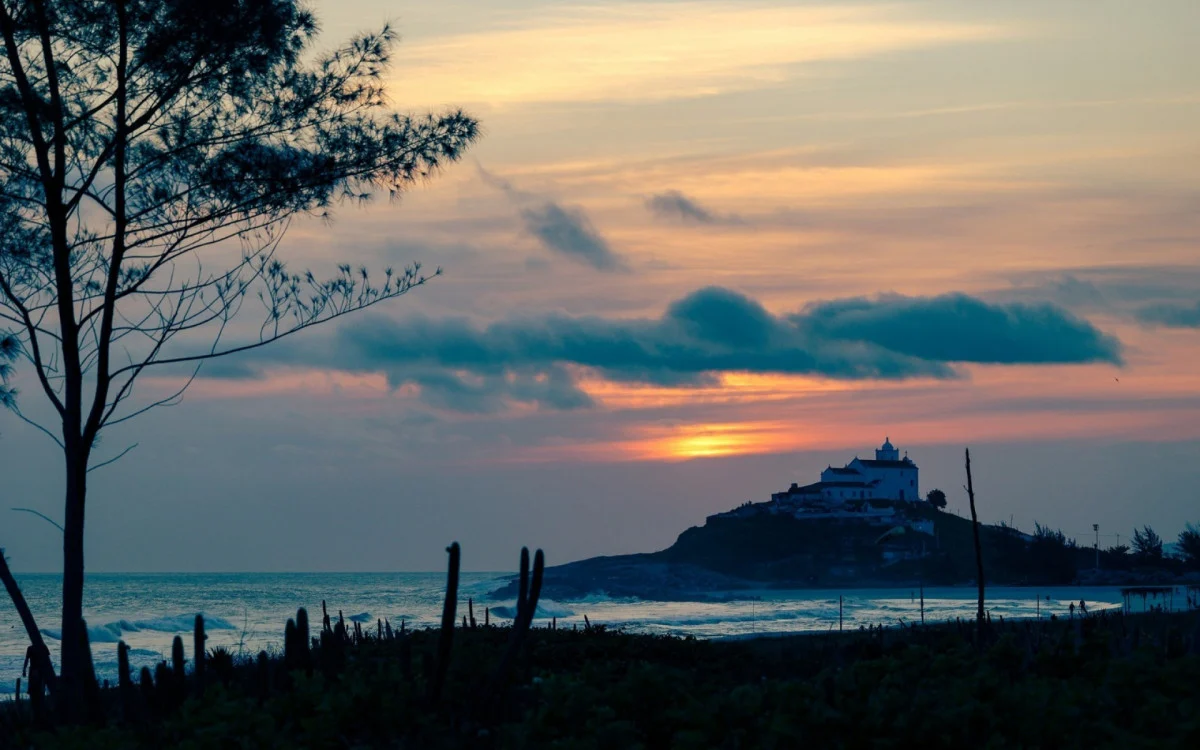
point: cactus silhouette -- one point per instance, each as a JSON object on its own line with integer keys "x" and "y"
{"x": 146, "y": 684}
{"x": 303, "y": 656}
{"x": 125, "y": 682}
{"x": 198, "y": 655}
{"x": 446, "y": 636}
{"x": 178, "y": 679}
{"x": 289, "y": 645}
{"x": 527, "y": 599}
{"x": 263, "y": 675}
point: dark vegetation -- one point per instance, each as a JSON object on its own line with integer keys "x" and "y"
{"x": 755, "y": 550}
{"x": 754, "y": 547}
{"x": 1103, "y": 680}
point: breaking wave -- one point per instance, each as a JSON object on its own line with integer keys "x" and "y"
{"x": 544, "y": 611}
{"x": 111, "y": 632}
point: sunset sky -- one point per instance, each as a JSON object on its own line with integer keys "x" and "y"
{"x": 702, "y": 250}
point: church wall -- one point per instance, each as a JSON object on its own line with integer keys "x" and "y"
{"x": 893, "y": 482}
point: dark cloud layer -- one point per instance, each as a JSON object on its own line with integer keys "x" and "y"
{"x": 1171, "y": 316}
{"x": 567, "y": 231}
{"x": 959, "y": 328}
{"x": 462, "y": 366}
{"x": 675, "y": 205}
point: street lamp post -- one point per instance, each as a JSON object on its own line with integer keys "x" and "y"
{"x": 1096, "y": 528}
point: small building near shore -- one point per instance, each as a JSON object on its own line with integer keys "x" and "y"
{"x": 885, "y": 477}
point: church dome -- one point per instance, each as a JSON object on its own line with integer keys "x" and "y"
{"x": 887, "y": 445}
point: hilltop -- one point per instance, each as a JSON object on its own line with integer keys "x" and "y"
{"x": 756, "y": 547}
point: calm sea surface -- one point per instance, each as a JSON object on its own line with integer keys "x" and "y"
{"x": 247, "y": 611}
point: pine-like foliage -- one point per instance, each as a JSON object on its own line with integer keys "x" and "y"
{"x": 152, "y": 153}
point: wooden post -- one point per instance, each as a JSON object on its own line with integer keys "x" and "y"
{"x": 921, "y": 570}
{"x": 979, "y": 615}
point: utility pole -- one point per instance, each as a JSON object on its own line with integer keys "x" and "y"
{"x": 1096, "y": 528}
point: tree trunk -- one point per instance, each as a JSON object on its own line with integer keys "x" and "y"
{"x": 39, "y": 653}
{"x": 979, "y": 615}
{"x": 73, "y": 674}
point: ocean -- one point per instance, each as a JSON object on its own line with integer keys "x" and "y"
{"x": 247, "y": 611}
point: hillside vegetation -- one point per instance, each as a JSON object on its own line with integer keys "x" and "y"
{"x": 756, "y": 549}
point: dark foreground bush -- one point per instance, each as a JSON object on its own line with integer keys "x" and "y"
{"x": 1108, "y": 681}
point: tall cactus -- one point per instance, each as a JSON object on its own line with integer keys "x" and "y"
{"x": 125, "y": 682}
{"x": 198, "y": 639}
{"x": 178, "y": 677}
{"x": 146, "y": 684}
{"x": 527, "y": 601}
{"x": 163, "y": 688}
{"x": 523, "y": 584}
{"x": 263, "y": 675}
{"x": 446, "y": 636}
{"x": 37, "y": 691}
{"x": 290, "y": 650}
{"x": 302, "y": 641}
{"x": 90, "y": 685}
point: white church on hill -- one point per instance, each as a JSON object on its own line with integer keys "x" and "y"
{"x": 886, "y": 477}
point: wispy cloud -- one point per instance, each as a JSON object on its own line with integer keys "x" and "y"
{"x": 563, "y": 230}
{"x": 657, "y": 50}
{"x": 673, "y": 204}
{"x": 567, "y": 231}
{"x": 1171, "y": 316}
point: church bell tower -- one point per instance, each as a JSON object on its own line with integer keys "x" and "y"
{"x": 887, "y": 452}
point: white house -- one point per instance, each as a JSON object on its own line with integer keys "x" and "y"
{"x": 886, "y": 477}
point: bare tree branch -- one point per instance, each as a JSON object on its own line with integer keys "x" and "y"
{"x": 112, "y": 460}
{"x": 43, "y": 516}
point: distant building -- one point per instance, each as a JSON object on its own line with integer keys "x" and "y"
{"x": 886, "y": 477}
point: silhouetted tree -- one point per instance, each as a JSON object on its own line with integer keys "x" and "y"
{"x": 1189, "y": 545}
{"x": 1147, "y": 545}
{"x": 152, "y": 153}
{"x": 1053, "y": 555}
{"x": 1116, "y": 557}
{"x": 936, "y": 498}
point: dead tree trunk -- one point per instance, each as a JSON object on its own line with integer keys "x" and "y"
{"x": 979, "y": 614}
{"x": 40, "y": 653}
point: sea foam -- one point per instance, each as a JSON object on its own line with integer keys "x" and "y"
{"x": 111, "y": 632}
{"x": 545, "y": 610}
